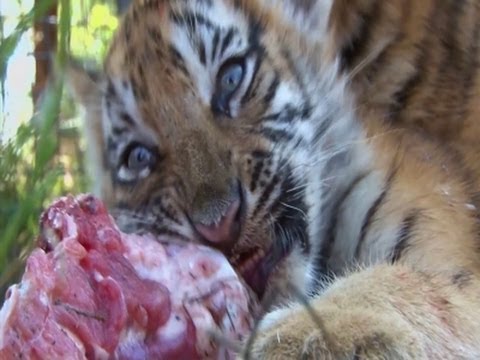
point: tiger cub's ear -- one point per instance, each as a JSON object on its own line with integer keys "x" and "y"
{"x": 85, "y": 86}
{"x": 84, "y": 83}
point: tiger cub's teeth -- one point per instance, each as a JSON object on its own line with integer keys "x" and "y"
{"x": 250, "y": 263}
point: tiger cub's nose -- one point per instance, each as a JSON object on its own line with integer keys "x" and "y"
{"x": 226, "y": 230}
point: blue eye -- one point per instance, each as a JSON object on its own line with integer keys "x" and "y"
{"x": 230, "y": 78}
{"x": 139, "y": 158}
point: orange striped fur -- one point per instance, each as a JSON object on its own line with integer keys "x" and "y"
{"x": 348, "y": 133}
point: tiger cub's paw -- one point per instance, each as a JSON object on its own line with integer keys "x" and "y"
{"x": 333, "y": 333}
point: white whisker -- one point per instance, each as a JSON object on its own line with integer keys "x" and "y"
{"x": 294, "y": 208}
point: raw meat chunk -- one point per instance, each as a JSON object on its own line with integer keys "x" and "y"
{"x": 93, "y": 292}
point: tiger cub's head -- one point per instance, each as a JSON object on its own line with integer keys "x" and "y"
{"x": 208, "y": 122}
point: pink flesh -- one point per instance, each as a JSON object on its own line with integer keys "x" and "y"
{"x": 96, "y": 293}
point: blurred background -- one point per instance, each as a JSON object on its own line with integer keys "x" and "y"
{"x": 41, "y": 143}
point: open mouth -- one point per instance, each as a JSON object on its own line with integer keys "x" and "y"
{"x": 255, "y": 267}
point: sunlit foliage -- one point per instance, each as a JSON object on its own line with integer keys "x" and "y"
{"x": 44, "y": 160}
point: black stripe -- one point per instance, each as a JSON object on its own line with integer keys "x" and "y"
{"x": 112, "y": 145}
{"x": 150, "y": 5}
{"x": 462, "y": 278}
{"x": 253, "y": 87}
{"x": 127, "y": 118}
{"x": 276, "y": 135}
{"x": 372, "y": 211}
{"x": 159, "y": 53}
{"x": 265, "y": 195}
{"x": 404, "y": 95}
{"x": 454, "y": 28}
{"x": 168, "y": 215}
{"x": 135, "y": 15}
{"x": 255, "y": 83}
{"x": 272, "y": 89}
{"x": 155, "y": 34}
{"x": 288, "y": 114}
{"x": 290, "y": 203}
{"x": 260, "y": 154}
{"x": 226, "y": 40}
{"x": 190, "y": 20}
{"x": 327, "y": 245}
{"x": 256, "y": 30}
{"x": 127, "y": 29}
{"x": 119, "y": 131}
{"x": 472, "y": 65}
{"x": 176, "y": 55}
{"x": 178, "y": 60}
{"x": 258, "y": 53}
{"x": 270, "y": 117}
{"x": 202, "y": 53}
{"x": 158, "y": 208}
{"x": 254, "y": 49}
{"x": 322, "y": 129}
{"x": 291, "y": 113}
{"x": 138, "y": 88}
{"x": 356, "y": 46}
{"x": 141, "y": 71}
{"x": 257, "y": 170}
{"x": 452, "y": 61}
{"x": 298, "y": 76}
{"x": 108, "y": 105}
{"x": 306, "y": 110}
{"x": 290, "y": 225}
{"x": 215, "y": 42}
{"x": 111, "y": 93}
{"x": 404, "y": 235}
{"x": 238, "y": 5}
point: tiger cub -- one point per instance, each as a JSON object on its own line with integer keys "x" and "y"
{"x": 328, "y": 147}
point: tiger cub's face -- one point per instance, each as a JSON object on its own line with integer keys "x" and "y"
{"x": 207, "y": 132}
